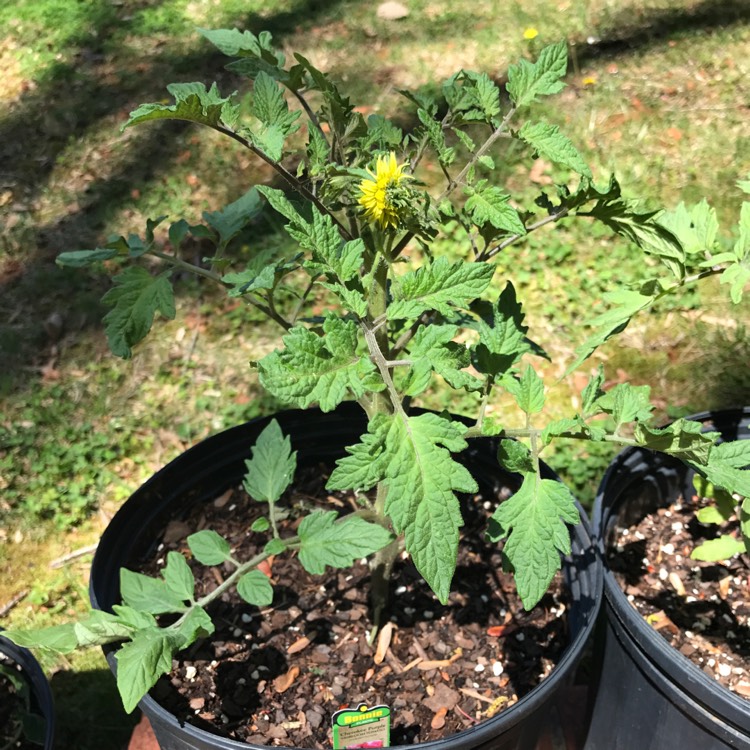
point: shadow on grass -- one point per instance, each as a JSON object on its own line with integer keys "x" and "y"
{"x": 89, "y": 713}
{"x": 39, "y": 128}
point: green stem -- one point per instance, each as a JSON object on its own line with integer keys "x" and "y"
{"x": 491, "y": 252}
{"x": 185, "y": 266}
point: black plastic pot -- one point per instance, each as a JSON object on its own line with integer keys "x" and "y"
{"x": 217, "y": 463}
{"x": 650, "y": 696}
{"x": 41, "y": 694}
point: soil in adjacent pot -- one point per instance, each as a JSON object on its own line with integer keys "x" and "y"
{"x": 13, "y": 710}
{"x": 276, "y": 677}
{"x": 702, "y": 609}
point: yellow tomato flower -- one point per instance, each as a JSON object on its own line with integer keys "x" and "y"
{"x": 530, "y": 33}
{"x": 378, "y": 193}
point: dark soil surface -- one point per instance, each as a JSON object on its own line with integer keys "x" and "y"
{"x": 276, "y": 676}
{"x": 12, "y": 710}
{"x": 701, "y": 608}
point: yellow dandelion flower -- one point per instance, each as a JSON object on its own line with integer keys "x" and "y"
{"x": 530, "y": 33}
{"x": 377, "y": 194}
{"x": 589, "y": 81}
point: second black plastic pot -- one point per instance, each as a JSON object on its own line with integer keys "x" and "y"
{"x": 209, "y": 468}
{"x": 650, "y": 696}
{"x": 41, "y": 694}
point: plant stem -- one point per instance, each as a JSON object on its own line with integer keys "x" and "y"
{"x": 490, "y": 253}
{"x": 185, "y": 266}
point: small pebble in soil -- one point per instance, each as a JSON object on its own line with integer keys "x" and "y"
{"x": 725, "y": 670}
{"x": 479, "y": 668}
{"x": 190, "y": 673}
{"x": 497, "y": 669}
{"x": 246, "y": 618}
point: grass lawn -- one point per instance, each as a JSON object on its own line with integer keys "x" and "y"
{"x": 657, "y": 91}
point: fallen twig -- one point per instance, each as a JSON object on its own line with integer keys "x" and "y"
{"x": 65, "y": 559}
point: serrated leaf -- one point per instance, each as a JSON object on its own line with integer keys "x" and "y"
{"x": 488, "y": 204}
{"x": 232, "y": 219}
{"x": 326, "y": 542}
{"x": 272, "y": 110}
{"x": 421, "y": 477}
{"x": 364, "y": 467}
{"x": 515, "y": 456}
{"x": 626, "y": 304}
{"x": 527, "y": 81}
{"x": 141, "y": 662}
{"x": 209, "y": 548}
{"x": 280, "y": 202}
{"x": 135, "y": 298}
{"x": 133, "y": 618}
{"x": 549, "y": 142}
{"x": 192, "y": 103}
{"x": 682, "y": 438}
{"x": 528, "y": 391}
{"x": 592, "y": 393}
{"x": 436, "y": 137}
{"x": 533, "y": 520}
{"x": 81, "y": 258}
{"x": 271, "y": 469}
{"x": 322, "y": 369}
{"x": 61, "y": 639}
{"x": 255, "y": 588}
{"x": 99, "y": 628}
{"x": 627, "y": 403}
{"x": 235, "y": 43}
{"x": 715, "y": 550}
{"x": 737, "y": 276}
{"x": 178, "y": 576}
{"x": 433, "y": 350}
{"x": 695, "y": 227}
{"x": 351, "y": 296}
{"x": 147, "y": 594}
{"x": 196, "y": 624}
{"x": 711, "y": 515}
{"x": 725, "y": 467}
{"x": 438, "y": 286}
{"x": 502, "y": 333}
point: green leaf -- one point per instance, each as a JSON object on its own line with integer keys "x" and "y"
{"x": 737, "y": 276}
{"x": 192, "y": 103}
{"x": 323, "y": 369}
{"x": 682, "y": 438}
{"x": 141, "y": 662}
{"x": 696, "y": 227}
{"x": 271, "y": 469}
{"x": 324, "y": 541}
{"x": 592, "y": 393}
{"x": 502, "y": 333}
{"x": 148, "y": 594}
{"x": 436, "y": 137}
{"x": 178, "y": 577}
{"x": 627, "y": 304}
{"x": 209, "y": 548}
{"x": 133, "y": 618}
{"x": 533, "y": 520}
{"x": 135, "y": 298}
{"x": 272, "y": 110}
{"x": 628, "y": 403}
{"x": 331, "y": 255}
{"x": 549, "y": 142}
{"x": 725, "y": 467}
{"x": 99, "y": 628}
{"x": 197, "y": 624}
{"x": 712, "y": 515}
{"x": 235, "y": 43}
{"x": 61, "y": 639}
{"x": 721, "y": 548}
{"x": 81, "y": 258}
{"x": 433, "y": 350}
{"x": 514, "y": 456}
{"x": 279, "y": 201}
{"x": 259, "y": 525}
{"x": 527, "y": 81}
{"x": 745, "y": 523}
{"x": 232, "y": 219}
{"x": 275, "y": 547}
{"x": 364, "y": 467}
{"x": 438, "y": 286}
{"x": 255, "y": 588}
{"x": 528, "y": 391}
{"x": 488, "y": 204}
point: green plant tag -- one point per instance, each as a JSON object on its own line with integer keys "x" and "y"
{"x": 362, "y": 727}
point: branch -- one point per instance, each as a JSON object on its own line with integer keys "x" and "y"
{"x": 290, "y": 179}
{"x": 185, "y": 266}
{"x": 487, "y": 254}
